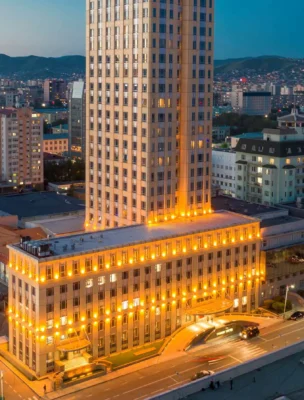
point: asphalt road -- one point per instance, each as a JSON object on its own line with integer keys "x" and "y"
{"x": 214, "y": 356}
{"x": 14, "y": 388}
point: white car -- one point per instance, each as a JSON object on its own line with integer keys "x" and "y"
{"x": 202, "y": 374}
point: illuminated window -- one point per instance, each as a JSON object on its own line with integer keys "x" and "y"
{"x": 89, "y": 283}
{"x": 63, "y": 320}
{"x": 158, "y": 267}
{"x": 113, "y": 278}
{"x": 136, "y": 302}
{"x": 271, "y": 161}
{"x": 125, "y": 305}
{"x": 287, "y": 160}
{"x": 260, "y": 159}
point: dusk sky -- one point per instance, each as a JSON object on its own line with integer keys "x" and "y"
{"x": 54, "y": 28}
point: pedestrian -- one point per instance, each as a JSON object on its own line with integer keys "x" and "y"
{"x": 44, "y": 388}
{"x": 218, "y": 384}
{"x": 212, "y": 385}
{"x": 231, "y": 384}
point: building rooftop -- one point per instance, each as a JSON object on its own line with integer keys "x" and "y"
{"x": 34, "y": 204}
{"x": 55, "y": 136}
{"x": 257, "y": 94}
{"x": 270, "y": 148}
{"x": 279, "y": 221}
{"x": 293, "y": 117}
{"x": 280, "y": 378}
{"x": 136, "y": 234}
{"x": 250, "y": 135}
{"x": 50, "y": 110}
{"x": 240, "y": 206}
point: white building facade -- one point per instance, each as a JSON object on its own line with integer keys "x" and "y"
{"x": 223, "y": 170}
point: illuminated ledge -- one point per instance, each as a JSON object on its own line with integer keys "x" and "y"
{"x": 213, "y": 306}
{"x": 74, "y": 346}
{"x": 138, "y": 234}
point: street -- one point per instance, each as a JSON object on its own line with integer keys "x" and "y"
{"x": 171, "y": 374}
{"x": 14, "y": 388}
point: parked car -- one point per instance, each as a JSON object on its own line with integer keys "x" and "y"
{"x": 296, "y": 315}
{"x": 250, "y": 332}
{"x": 201, "y": 374}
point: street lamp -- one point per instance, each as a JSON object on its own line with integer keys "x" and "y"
{"x": 287, "y": 290}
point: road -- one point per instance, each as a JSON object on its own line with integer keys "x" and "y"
{"x": 171, "y": 374}
{"x": 14, "y": 388}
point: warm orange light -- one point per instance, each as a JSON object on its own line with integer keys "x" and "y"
{"x": 174, "y": 295}
{"x": 107, "y": 319}
{"x": 224, "y": 241}
{"x": 107, "y": 266}
{"x": 163, "y": 298}
{"x": 153, "y": 308}
{"x": 194, "y": 248}
{"x": 95, "y": 323}
{"x": 23, "y": 272}
{"x": 188, "y": 214}
{"x": 194, "y": 290}
{"x": 82, "y": 270}
{"x": 166, "y": 218}
{"x": 232, "y": 240}
{"x": 83, "y": 326}
{"x": 205, "y": 212}
{"x": 205, "y": 287}
{"x": 56, "y": 276}
{"x": 205, "y": 246}
{"x": 153, "y": 301}
{"x": 184, "y": 250}
{"x": 70, "y": 323}
{"x": 95, "y": 268}
{"x": 223, "y": 282}
{"x": 131, "y": 261}
{"x": 173, "y": 217}
{"x": 214, "y": 284}
{"x": 258, "y": 234}
{"x": 232, "y": 279}
{"x": 70, "y": 273}
{"x": 250, "y": 236}
{"x": 142, "y": 258}
{"x": 119, "y": 309}
{"x": 95, "y": 315}
{"x": 195, "y": 213}
{"x": 210, "y": 211}
{"x": 149, "y": 222}
{"x": 173, "y": 302}
{"x": 142, "y": 303}
{"x": 242, "y": 238}
{"x": 182, "y": 214}
{"x": 30, "y": 276}
{"x": 163, "y": 254}
{"x": 184, "y": 299}
{"x": 223, "y": 289}
{"x": 42, "y": 279}
{"x": 214, "y": 243}
{"x": 82, "y": 319}
{"x": 108, "y": 312}
{"x": 194, "y": 296}
{"x": 130, "y": 313}
{"x": 174, "y": 252}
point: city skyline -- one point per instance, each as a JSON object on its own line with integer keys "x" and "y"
{"x": 234, "y": 36}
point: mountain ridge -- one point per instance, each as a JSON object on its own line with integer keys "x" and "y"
{"x": 28, "y": 67}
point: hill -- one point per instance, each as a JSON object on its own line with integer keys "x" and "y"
{"x": 41, "y": 67}
{"x": 264, "y": 64}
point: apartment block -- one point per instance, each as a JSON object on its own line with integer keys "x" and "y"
{"x": 21, "y": 135}
{"x": 270, "y": 169}
{"x": 103, "y": 292}
{"x": 77, "y": 120}
{"x": 149, "y": 110}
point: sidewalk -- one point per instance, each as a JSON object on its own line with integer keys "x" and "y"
{"x": 173, "y": 350}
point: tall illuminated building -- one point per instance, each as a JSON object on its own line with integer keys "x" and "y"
{"x": 149, "y": 110}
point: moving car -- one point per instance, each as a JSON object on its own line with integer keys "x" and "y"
{"x": 297, "y": 315}
{"x": 250, "y": 332}
{"x": 201, "y": 374}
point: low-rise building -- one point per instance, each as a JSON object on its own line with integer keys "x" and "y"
{"x": 219, "y": 133}
{"x": 99, "y": 293}
{"x": 56, "y": 143}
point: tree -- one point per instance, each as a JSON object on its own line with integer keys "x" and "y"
{"x": 242, "y": 123}
{"x": 70, "y": 170}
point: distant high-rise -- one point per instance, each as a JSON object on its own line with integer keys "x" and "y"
{"x": 256, "y": 103}
{"x": 21, "y": 158}
{"x": 149, "y": 111}
{"x": 54, "y": 89}
{"x": 77, "y": 120}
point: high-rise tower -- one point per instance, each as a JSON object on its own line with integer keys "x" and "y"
{"x": 149, "y": 110}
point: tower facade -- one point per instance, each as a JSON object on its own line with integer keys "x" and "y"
{"x": 149, "y": 110}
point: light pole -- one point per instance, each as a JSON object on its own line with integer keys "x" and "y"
{"x": 1, "y": 383}
{"x": 287, "y": 290}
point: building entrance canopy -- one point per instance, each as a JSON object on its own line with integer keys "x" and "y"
{"x": 74, "y": 346}
{"x": 210, "y": 307}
